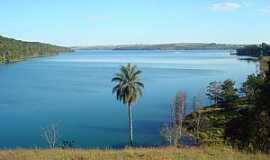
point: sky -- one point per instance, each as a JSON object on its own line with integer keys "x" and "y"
{"x": 112, "y": 22}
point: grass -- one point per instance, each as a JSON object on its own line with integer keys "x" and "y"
{"x": 213, "y": 121}
{"x": 167, "y": 153}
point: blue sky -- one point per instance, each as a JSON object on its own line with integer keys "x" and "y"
{"x": 100, "y": 22}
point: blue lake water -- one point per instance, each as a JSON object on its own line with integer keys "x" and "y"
{"x": 74, "y": 91}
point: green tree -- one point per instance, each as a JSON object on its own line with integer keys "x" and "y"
{"x": 229, "y": 92}
{"x": 14, "y": 50}
{"x": 128, "y": 90}
{"x": 251, "y": 87}
{"x": 214, "y": 91}
{"x": 264, "y": 48}
{"x": 254, "y": 50}
{"x": 251, "y": 129}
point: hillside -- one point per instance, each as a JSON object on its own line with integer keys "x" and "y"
{"x": 213, "y": 120}
{"x": 240, "y": 116}
{"x": 12, "y": 50}
{"x": 169, "y": 153}
{"x": 171, "y": 46}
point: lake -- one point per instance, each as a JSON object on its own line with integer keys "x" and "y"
{"x": 74, "y": 91}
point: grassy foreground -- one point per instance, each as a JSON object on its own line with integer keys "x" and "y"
{"x": 169, "y": 153}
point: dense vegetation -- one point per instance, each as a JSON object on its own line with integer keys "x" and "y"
{"x": 239, "y": 117}
{"x": 12, "y": 50}
{"x": 254, "y": 50}
{"x": 171, "y": 46}
{"x": 251, "y": 129}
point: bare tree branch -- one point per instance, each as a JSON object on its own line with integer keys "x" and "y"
{"x": 51, "y": 135}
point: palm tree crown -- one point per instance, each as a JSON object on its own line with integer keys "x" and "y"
{"x": 128, "y": 86}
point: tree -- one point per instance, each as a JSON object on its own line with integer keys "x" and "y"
{"x": 197, "y": 105}
{"x": 214, "y": 91}
{"x": 172, "y": 132}
{"x": 229, "y": 92}
{"x": 51, "y": 135}
{"x": 267, "y": 72}
{"x": 263, "y": 65}
{"x": 264, "y": 48}
{"x": 180, "y": 101}
{"x": 251, "y": 128}
{"x": 13, "y": 50}
{"x": 252, "y": 86}
{"x": 254, "y": 50}
{"x": 128, "y": 90}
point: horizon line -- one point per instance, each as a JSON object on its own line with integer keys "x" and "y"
{"x": 130, "y": 44}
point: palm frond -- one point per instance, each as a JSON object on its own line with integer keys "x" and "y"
{"x": 128, "y": 86}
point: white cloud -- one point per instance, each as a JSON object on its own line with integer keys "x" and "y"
{"x": 225, "y": 7}
{"x": 265, "y": 10}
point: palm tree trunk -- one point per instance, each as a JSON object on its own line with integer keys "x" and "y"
{"x": 130, "y": 125}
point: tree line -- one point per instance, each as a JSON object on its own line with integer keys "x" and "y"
{"x": 12, "y": 50}
{"x": 254, "y": 50}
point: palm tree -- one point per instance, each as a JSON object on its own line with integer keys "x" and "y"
{"x": 128, "y": 90}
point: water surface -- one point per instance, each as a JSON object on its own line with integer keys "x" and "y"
{"x": 73, "y": 90}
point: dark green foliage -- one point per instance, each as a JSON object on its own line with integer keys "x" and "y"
{"x": 128, "y": 85}
{"x": 67, "y": 144}
{"x": 251, "y": 87}
{"x": 237, "y": 130}
{"x": 254, "y": 50}
{"x": 214, "y": 91}
{"x": 224, "y": 93}
{"x": 267, "y": 72}
{"x": 12, "y": 50}
{"x": 229, "y": 92}
{"x": 265, "y": 49}
{"x": 251, "y": 129}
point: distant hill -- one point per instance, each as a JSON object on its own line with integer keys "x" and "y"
{"x": 170, "y": 46}
{"x": 12, "y": 50}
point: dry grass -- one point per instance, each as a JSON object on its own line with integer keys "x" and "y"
{"x": 169, "y": 153}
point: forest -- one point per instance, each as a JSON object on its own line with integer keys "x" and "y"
{"x": 12, "y": 50}
{"x": 254, "y": 50}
